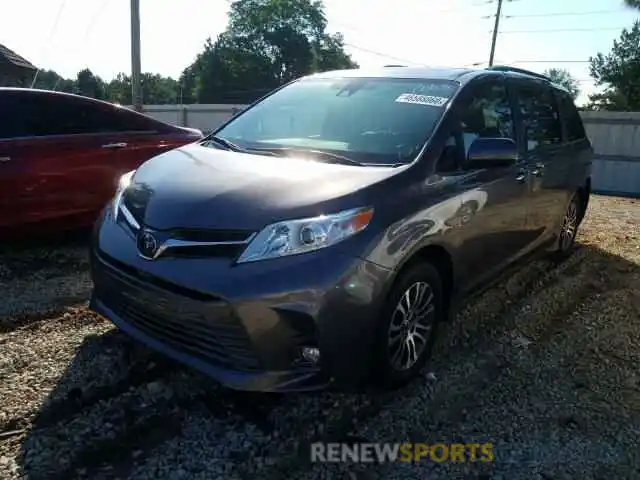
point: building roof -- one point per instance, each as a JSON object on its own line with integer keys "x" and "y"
{"x": 10, "y": 61}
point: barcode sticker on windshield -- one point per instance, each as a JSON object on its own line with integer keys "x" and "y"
{"x": 422, "y": 99}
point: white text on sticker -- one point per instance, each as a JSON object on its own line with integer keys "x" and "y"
{"x": 421, "y": 99}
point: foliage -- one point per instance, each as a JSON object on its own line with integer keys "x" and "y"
{"x": 48, "y": 80}
{"x": 619, "y": 72}
{"x": 156, "y": 89}
{"x": 89, "y": 85}
{"x": 564, "y": 78}
{"x": 267, "y": 43}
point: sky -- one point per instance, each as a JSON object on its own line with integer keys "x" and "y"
{"x": 69, "y": 35}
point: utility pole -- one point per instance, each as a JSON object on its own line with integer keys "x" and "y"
{"x": 136, "y": 87}
{"x": 496, "y": 26}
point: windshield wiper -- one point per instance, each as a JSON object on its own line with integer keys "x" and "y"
{"x": 223, "y": 142}
{"x": 332, "y": 157}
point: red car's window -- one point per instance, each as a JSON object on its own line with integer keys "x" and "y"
{"x": 26, "y": 114}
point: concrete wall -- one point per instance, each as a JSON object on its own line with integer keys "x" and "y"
{"x": 201, "y": 116}
{"x": 615, "y": 137}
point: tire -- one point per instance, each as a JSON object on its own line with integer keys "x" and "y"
{"x": 568, "y": 229}
{"x": 393, "y": 368}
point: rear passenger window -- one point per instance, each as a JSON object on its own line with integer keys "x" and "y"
{"x": 78, "y": 116}
{"x": 24, "y": 116}
{"x": 572, "y": 119}
{"x": 8, "y": 109}
{"x": 41, "y": 115}
{"x": 540, "y": 117}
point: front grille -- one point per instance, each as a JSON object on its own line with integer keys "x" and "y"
{"x": 135, "y": 208}
{"x": 205, "y": 235}
{"x": 225, "y": 243}
{"x": 207, "y": 330}
{"x": 203, "y": 251}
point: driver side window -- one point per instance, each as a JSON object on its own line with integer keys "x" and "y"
{"x": 486, "y": 112}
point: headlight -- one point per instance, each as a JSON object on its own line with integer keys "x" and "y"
{"x": 123, "y": 184}
{"x": 305, "y": 235}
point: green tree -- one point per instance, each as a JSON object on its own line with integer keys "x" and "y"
{"x": 156, "y": 89}
{"x": 159, "y": 90}
{"x": 50, "y": 80}
{"x": 564, "y": 78}
{"x": 619, "y": 73}
{"x": 330, "y": 54}
{"x": 119, "y": 89}
{"x": 89, "y": 85}
{"x": 632, "y": 3}
{"x": 45, "y": 80}
{"x": 267, "y": 43}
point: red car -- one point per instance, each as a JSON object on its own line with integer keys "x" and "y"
{"x": 61, "y": 156}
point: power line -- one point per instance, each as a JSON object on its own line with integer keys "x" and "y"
{"x": 93, "y": 20}
{"x": 556, "y": 14}
{"x": 563, "y": 14}
{"x": 482, "y": 3}
{"x": 380, "y": 54}
{"x": 88, "y": 31}
{"x": 547, "y": 61}
{"x": 53, "y": 31}
{"x": 552, "y": 30}
{"x": 350, "y": 26}
{"x": 464, "y": 7}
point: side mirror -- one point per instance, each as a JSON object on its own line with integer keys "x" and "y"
{"x": 491, "y": 153}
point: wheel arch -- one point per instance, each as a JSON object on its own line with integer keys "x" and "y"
{"x": 438, "y": 256}
{"x": 584, "y": 192}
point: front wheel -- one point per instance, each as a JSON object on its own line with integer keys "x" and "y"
{"x": 407, "y": 327}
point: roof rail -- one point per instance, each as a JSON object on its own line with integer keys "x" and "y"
{"x": 506, "y": 68}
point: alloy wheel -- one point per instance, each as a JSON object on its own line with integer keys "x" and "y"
{"x": 410, "y": 327}
{"x": 569, "y": 226}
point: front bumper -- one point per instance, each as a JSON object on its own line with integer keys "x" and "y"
{"x": 244, "y": 325}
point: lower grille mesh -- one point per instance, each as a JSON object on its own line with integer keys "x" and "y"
{"x": 202, "y": 329}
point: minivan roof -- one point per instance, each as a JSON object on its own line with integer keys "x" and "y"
{"x": 461, "y": 75}
{"x": 394, "y": 71}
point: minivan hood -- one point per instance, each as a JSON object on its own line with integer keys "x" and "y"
{"x": 201, "y": 187}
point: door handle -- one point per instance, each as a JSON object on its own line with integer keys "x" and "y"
{"x": 538, "y": 171}
{"x": 522, "y": 176}
{"x": 5, "y": 159}
{"x": 114, "y": 145}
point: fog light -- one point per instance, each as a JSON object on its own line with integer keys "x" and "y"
{"x": 311, "y": 354}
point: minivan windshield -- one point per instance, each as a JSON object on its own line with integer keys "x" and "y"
{"x": 368, "y": 121}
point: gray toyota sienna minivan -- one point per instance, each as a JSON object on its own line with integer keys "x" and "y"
{"x": 321, "y": 235}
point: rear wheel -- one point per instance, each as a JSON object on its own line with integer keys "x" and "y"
{"x": 407, "y": 328}
{"x": 569, "y": 229}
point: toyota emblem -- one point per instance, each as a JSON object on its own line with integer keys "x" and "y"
{"x": 147, "y": 244}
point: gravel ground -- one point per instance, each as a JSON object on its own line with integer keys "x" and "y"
{"x": 546, "y": 366}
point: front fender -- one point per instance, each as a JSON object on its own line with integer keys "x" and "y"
{"x": 436, "y": 224}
